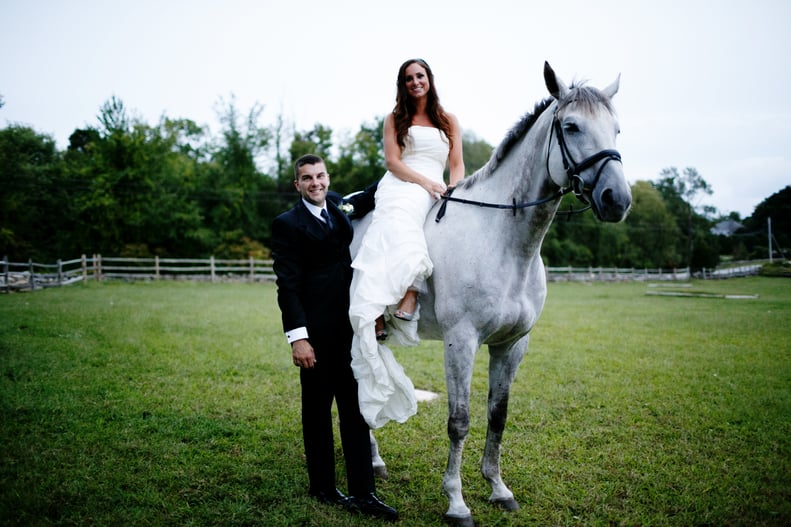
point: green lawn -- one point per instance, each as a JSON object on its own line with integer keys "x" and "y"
{"x": 177, "y": 404}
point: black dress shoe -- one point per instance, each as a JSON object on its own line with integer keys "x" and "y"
{"x": 331, "y": 497}
{"x": 371, "y": 505}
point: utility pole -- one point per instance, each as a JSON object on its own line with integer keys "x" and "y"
{"x": 769, "y": 225}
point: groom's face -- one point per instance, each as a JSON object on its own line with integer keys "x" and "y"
{"x": 312, "y": 183}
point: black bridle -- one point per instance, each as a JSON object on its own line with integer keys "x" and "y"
{"x": 573, "y": 171}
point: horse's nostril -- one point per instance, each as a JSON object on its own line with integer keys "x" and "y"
{"x": 607, "y": 197}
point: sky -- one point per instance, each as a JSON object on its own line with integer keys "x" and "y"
{"x": 703, "y": 83}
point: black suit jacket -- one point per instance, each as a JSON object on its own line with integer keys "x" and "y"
{"x": 314, "y": 272}
{"x": 363, "y": 201}
{"x": 313, "y": 268}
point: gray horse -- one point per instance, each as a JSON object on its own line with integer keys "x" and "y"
{"x": 489, "y": 282}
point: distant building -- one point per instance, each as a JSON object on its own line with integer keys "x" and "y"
{"x": 726, "y": 228}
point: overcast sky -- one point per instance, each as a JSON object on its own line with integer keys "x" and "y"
{"x": 704, "y": 83}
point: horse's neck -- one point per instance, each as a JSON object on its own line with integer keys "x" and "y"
{"x": 522, "y": 177}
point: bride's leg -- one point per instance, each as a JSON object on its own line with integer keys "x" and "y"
{"x": 408, "y": 305}
{"x": 381, "y": 332}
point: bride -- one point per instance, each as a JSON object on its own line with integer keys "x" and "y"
{"x": 420, "y": 139}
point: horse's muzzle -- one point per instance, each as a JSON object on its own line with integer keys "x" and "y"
{"x": 611, "y": 202}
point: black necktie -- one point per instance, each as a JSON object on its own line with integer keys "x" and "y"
{"x": 326, "y": 216}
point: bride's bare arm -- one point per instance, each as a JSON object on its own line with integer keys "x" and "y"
{"x": 398, "y": 168}
{"x": 455, "y": 156}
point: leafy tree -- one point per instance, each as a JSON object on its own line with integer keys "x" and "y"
{"x": 131, "y": 186}
{"x": 106, "y": 181}
{"x": 652, "y": 229}
{"x": 173, "y": 217}
{"x": 29, "y": 204}
{"x": 573, "y": 239}
{"x": 755, "y": 231}
{"x": 682, "y": 192}
{"x": 361, "y": 161}
{"x": 237, "y": 197}
{"x": 476, "y": 152}
{"x": 645, "y": 239}
{"x": 284, "y": 173}
{"x": 316, "y": 141}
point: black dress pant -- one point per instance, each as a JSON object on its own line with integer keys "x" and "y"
{"x": 332, "y": 379}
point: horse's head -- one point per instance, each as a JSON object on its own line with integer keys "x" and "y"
{"x": 583, "y": 154}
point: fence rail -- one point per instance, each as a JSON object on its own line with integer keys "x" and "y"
{"x": 29, "y": 276}
{"x": 613, "y": 274}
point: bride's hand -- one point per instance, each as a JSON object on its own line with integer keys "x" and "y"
{"x": 435, "y": 189}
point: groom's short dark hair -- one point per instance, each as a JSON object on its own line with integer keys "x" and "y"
{"x": 307, "y": 159}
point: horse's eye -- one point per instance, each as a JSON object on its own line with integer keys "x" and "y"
{"x": 571, "y": 128}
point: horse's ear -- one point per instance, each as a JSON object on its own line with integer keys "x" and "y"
{"x": 557, "y": 88}
{"x": 612, "y": 89}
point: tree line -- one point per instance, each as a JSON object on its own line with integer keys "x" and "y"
{"x": 124, "y": 187}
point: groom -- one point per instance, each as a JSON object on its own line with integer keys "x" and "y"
{"x": 310, "y": 248}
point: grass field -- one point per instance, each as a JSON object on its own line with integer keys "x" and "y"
{"x": 177, "y": 404}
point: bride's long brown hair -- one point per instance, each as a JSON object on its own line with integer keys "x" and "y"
{"x": 405, "y": 107}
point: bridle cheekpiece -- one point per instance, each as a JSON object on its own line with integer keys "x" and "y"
{"x": 574, "y": 169}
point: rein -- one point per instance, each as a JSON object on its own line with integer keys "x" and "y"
{"x": 513, "y": 206}
{"x": 573, "y": 169}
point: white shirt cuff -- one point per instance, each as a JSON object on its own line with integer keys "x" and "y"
{"x": 297, "y": 334}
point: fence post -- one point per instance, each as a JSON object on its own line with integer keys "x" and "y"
{"x": 156, "y": 266}
{"x": 6, "y": 274}
{"x": 84, "y": 264}
{"x": 211, "y": 264}
{"x": 60, "y": 272}
{"x": 97, "y": 267}
{"x": 32, "y": 278}
{"x": 252, "y": 269}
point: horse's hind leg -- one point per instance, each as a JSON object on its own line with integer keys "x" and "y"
{"x": 503, "y": 364}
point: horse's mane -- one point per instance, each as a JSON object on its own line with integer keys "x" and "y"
{"x": 586, "y": 97}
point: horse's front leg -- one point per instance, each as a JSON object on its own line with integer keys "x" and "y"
{"x": 459, "y": 358}
{"x": 378, "y": 464}
{"x": 503, "y": 364}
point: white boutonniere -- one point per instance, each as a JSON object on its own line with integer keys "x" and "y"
{"x": 346, "y": 208}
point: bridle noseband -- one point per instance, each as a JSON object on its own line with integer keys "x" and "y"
{"x": 573, "y": 172}
{"x": 574, "y": 169}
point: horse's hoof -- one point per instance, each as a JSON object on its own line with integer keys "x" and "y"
{"x": 507, "y": 504}
{"x": 381, "y": 472}
{"x": 460, "y": 521}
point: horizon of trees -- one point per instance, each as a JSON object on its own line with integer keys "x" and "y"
{"x": 124, "y": 187}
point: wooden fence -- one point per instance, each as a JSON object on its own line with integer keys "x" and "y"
{"x": 613, "y": 274}
{"x": 29, "y": 276}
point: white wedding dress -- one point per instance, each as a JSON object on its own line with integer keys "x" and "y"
{"x": 393, "y": 256}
